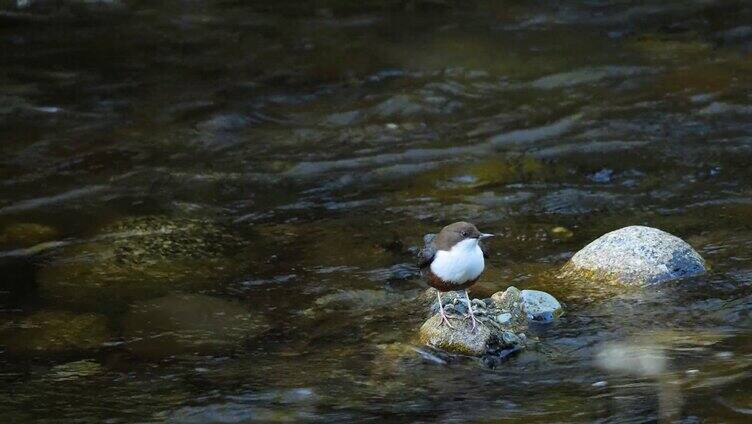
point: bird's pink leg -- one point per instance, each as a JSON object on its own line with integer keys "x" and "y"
{"x": 470, "y": 308}
{"x": 444, "y": 318}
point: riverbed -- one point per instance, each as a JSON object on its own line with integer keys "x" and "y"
{"x": 209, "y": 210}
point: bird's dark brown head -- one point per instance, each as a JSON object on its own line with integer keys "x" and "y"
{"x": 455, "y": 233}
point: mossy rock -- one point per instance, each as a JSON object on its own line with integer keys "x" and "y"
{"x": 458, "y": 340}
{"x": 54, "y": 332}
{"x": 26, "y": 234}
{"x": 139, "y": 258}
{"x": 187, "y": 324}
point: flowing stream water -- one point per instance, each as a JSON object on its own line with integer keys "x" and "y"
{"x": 209, "y": 209}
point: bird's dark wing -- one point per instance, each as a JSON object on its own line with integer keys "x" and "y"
{"x": 426, "y": 254}
{"x": 484, "y": 249}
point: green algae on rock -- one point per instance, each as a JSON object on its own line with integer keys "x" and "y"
{"x": 460, "y": 340}
{"x": 139, "y": 258}
{"x": 74, "y": 370}
{"x": 501, "y": 320}
{"x": 185, "y": 324}
{"x": 26, "y": 234}
{"x": 54, "y": 332}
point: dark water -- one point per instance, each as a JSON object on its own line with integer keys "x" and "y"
{"x": 232, "y": 190}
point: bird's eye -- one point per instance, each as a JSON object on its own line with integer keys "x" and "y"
{"x": 464, "y": 234}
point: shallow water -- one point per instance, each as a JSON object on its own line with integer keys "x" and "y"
{"x": 283, "y": 159}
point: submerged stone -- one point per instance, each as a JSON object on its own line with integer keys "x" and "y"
{"x": 141, "y": 257}
{"x": 188, "y": 324}
{"x": 635, "y": 255}
{"x": 54, "y": 332}
{"x": 400, "y": 105}
{"x": 570, "y": 201}
{"x": 74, "y": 370}
{"x": 26, "y": 234}
{"x": 358, "y": 299}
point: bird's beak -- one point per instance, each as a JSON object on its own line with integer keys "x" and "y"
{"x": 484, "y": 236}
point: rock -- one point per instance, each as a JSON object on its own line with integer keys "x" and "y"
{"x": 500, "y": 318}
{"x": 139, "y": 258}
{"x": 187, "y": 324}
{"x": 55, "y": 332}
{"x": 224, "y": 123}
{"x": 635, "y": 255}
{"x": 429, "y": 298}
{"x": 343, "y": 119}
{"x": 540, "y": 306}
{"x": 459, "y": 340}
{"x": 509, "y": 301}
{"x": 504, "y": 318}
{"x": 533, "y": 305}
{"x": 74, "y": 370}
{"x": 22, "y": 235}
{"x": 570, "y": 201}
{"x": 358, "y": 299}
{"x": 397, "y": 106}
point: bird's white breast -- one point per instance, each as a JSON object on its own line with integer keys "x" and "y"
{"x": 463, "y": 262}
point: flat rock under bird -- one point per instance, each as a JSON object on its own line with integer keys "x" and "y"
{"x": 453, "y": 260}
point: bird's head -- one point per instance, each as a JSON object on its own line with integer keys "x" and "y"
{"x": 459, "y": 232}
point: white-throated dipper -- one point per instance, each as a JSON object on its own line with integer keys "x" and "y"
{"x": 453, "y": 260}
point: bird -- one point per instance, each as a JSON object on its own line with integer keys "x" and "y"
{"x": 453, "y": 260}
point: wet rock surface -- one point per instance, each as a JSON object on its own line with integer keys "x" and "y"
{"x": 141, "y": 257}
{"x": 540, "y": 306}
{"x": 461, "y": 339}
{"x": 74, "y": 370}
{"x": 55, "y": 332}
{"x": 502, "y": 321}
{"x": 635, "y": 255}
{"x": 26, "y": 234}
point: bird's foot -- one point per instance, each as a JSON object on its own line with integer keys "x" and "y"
{"x": 473, "y": 322}
{"x": 445, "y": 320}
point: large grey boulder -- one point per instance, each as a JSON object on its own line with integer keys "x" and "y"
{"x": 636, "y": 255}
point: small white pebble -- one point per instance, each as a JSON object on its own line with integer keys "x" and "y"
{"x": 692, "y": 372}
{"x": 724, "y": 355}
{"x": 392, "y": 126}
{"x": 600, "y": 384}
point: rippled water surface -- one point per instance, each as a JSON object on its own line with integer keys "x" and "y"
{"x": 208, "y": 209}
